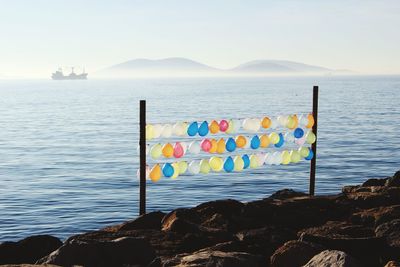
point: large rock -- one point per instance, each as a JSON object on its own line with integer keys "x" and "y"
{"x": 391, "y": 231}
{"x": 294, "y": 253}
{"x": 372, "y": 196}
{"x": 150, "y": 220}
{"x": 332, "y": 258}
{"x": 337, "y": 229}
{"x": 28, "y": 250}
{"x": 393, "y": 264}
{"x": 119, "y": 252}
{"x": 376, "y": 216}
{"x": 375, "y": 182}
{"x": 188, "y": 217}
{"x": 394, "y": 181}
{"x": 287, "y": 193}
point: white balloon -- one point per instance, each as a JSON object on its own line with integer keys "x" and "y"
{"x": 277, "y": 158}
{"x": 237, "y": 125}
{"x": 301, "y": 141}
{"x": 261, "y": 158}
{"x": 269, "y": 159}
{"x": 283, "y": 120}
{"x": 303, "y": 120}
{"x": 194, "y": 167}
{"x": 178, "y": 129}
{"x": 255, "y": 125}
{"x": 247, "y": 145}
{"x": 289, "y": 137}
{"x": 184, "y": 146}
{"x": 194, "y": 147}
{"x": 274, "y": 123}
{"x": 157, "y": 129}
{"x": 166, "y": 131}
{"x": 247, "y": 124}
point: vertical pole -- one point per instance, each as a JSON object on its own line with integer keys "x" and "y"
{"x": 142, "y": 143}
{"x": 314, "y": 146}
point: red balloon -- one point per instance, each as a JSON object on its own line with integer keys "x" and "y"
{"x": 178, "y": 150}
{"x": 206, "y": 145}
{"x": 223, "y": 125}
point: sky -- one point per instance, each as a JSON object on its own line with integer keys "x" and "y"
{"x": 36, "y": 37}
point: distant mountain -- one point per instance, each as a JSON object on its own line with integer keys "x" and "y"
{"x": 278, "y": 66}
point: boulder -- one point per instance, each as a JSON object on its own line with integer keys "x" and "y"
{"x": 150, "y": 220}
{"x": 391, "y": 231}
{"x": 28, "y": 250}
{"x": 119, "y": 252}
{"x": 337, "y": 229}
{"x": 287, "y": 193}
{"x": 375, "y": 182}
{"x": 294, "y": 253}
{"x": 227, "y": 207}
{"x": 332, "y": 258}
{"x": 376, "y": 216}
{"x": 394, "y": 181}
{"x": 372, "y": 196}
{"x": 393, "y": 264}
{"x": 184, "y": 215}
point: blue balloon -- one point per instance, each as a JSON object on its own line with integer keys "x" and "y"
{"x": 281, "y": 141}
{"x": 229, "y": 164}
{"x": 168, "y": 170}
{"x": 255, "y": 142}
{"x": 298, "y": 133}
{"x": 310, "y": 155}
{"x": 203, "y": 129}
{"x": 246, "y": 161}
{"x": 193, "y": 129}
{"x": 230, "y": 144}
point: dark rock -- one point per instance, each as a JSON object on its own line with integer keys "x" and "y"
{"x": 393, "y": 264}
{"x": 119, "y": 252}
{"x": 287, "y": 193}
{"x": 373, "y": 196}
{"x": 375, "y": 182}
{"x": 394, "y": 181}
{"x": 187, "y": 215}
{"x": 334, "y": 229}
{"x": 28, "y": 250}
{"x": 333, "y": 258}
{"x": 226, "y": 207}
{"x": 150, "y": 220}
{"x": 391, "y": 231}
{"x": 294, "y": 253}
{"x": 179, "y": 225}
{"x": 376, "y": 216}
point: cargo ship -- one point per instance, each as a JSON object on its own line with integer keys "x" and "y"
{"x": 59, "y": 75}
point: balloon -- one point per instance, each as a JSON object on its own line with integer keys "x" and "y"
{"x": 255, "y": 125}
{"x": 203, "y": 129}
{"x": 178, "y": 150}
{"x": 310, "y": 137}
{"x": 281, "y": 141}
{"x": 205, "y": 145}
{"x": 303, "y": 120}
{"x": 296, "y": 121}
{"x": 277, "y": 158}
{"x": 236, "y": 125}
{"x": 175, "y": 165}
{"x": 255, "y": 142}
{"x": 193, "y": 129}
{"x": 168, "y": 150}
{"x": 194, "y": 167}
{"x": 156, "y": 151}
{"x": 285, "y": 157}
{"x": 304, "y": 151}
{"x": 214, "y": 127}
{"x": 223, "y": 125}
{"x": 292, "y": 122}
{"x": 264, "y": 141}
{"x": 183, "y": 166}
{"x": 311, "y": 121}
{"x": 269, "y": 159}
{"x": 300, "y": 141}
{"x": 246, "y": 161}
{"x": 310, "y": 155}
{"x": 288, "y": 137}
{"x": 184, "y": 146}
{"x": 295, "y": 156}
{"x": 261, "y": 158}
{"x": 221, "y": 146}
{"x": 168, "y": 170}
{"x": 274, "y": 138}
{"x": 247, "y": 124}
{"x": 155, "y": 173}
{"x": 231, "y": 127}
{"x": 298, "y": 133}
{"x": 241, "y": 141}
{"x": 253, "y": 161}
{"x": 179, "y": 129}
{"x": 274, "y": 124}
{"x": 166, "y": 131}
{"x": 157, "y": 129}
{"x": 266, "y": 122}
{"x": 214, "y": 145}
{"x": 204, "y": 166}
{"x": 149, "y": 132}
{"x": 147, "y": 172}
{"x": 230, "y": 144}
{"x": 194, "y": 147}
{"x": 229, "y": 165}
{"x": 283, "y": 120}
{"x": 239, "y": 163}
{"x": 216, "y": 163}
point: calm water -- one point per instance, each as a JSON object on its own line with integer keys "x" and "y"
{"x": 68, "y": 155}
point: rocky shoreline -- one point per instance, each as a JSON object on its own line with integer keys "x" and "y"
{"x": 359, "y": 227}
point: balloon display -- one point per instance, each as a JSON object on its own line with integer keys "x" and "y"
{"x": 178, "y": 150}
{"x": 298, "y": 133}
{"x": 156, "y": 151}
{"x": 281, "y": 140}
{"x": 214, "y": 146}
{"x": 230, "y": 144}
{"x": 229, "y": 164}
{"x": 285, "y": 157}
{"x": 221, "y": 146}
{"x": 255, "y": 142}
{"x": 183, "y": 166}
{"x": 266, "y": 122}
{"x": 223, "y": 125}
{"x": 194, "y": 167}
{"x": 246, "y": 161}
{"x": 216, "y": 164}
{"x": 168, "y": 150}
{"x": 274, "y": 138}
{"x": 168, "y": 170}
{"x": 204, "y": 166}
{"x": 194, "y": 147}
{"x": 203, "y": 129}
{"x": 205, "y": 145}
{"x": 155, "y": 173}
{"x": 310, "y": 155}
{"x": 239, "y": 163}
{"x": 214, "y": 127}
{"x": 264, "y": 141}
{"x": 166, "y": 131}
{"x": 175, "y": 165}
{"x": 241, "y": 141}
{"x": 149, "y": 132}
{"x": 310, "y": 137}
{"x": 193, "y": 129}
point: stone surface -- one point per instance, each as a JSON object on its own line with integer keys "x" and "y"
{"x": 337, "y": 229}
{"x": 391, "y": 231}
{"x": 287, "y": 193}
{"x": 393, "y": 264}
{"x": 294, "y": 253}
{"x": 150, "y": 220}
{"x": 376, "y": 216}
{"x": 394, "y": 181}
{"x": 28, "y": 250}
{"x": 333, "y": 258}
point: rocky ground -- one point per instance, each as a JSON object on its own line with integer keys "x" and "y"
{"x": 359, "y": 227}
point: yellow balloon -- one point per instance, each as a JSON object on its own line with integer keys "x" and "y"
{"x": 296, "y": 121}
{"x": 155, "y": 173}
{"x": 240, "y": 141}
{"x": 238, "y": 163}
{"x": 264, "y": 141}
{"x": 266, "y": 122}
{"x": 156, "y": 151}
{"x": 175, "y": 165}
{"x": 293, "y": 122}
{"x": 231, "y": 127}
{"x": 253, "y": 161}
{"x": 285, "y": 157}
{"x": 214, "y": 127}
{"x": 168, "y": 150}
{"x": 149, "y": 132}
{"x": 310, "y": 137}
{"x": 274, "y": 138}
{"x": 304, "y": 151}
{"x": 214, "y": 146}
{"x": 295, "y": 156}
{"x": 204, "y": 166}
{"x": 311, "y": 121}
{"x": 183, "y": 165}
{"x": 216, "y": 163}
{"x": 221, "y": 146}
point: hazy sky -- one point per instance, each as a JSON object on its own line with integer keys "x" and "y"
{"x": 38, "y": 36}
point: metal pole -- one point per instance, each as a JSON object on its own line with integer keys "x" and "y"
{"x": 142, "y": 143}
{"x": 314, "y": 146}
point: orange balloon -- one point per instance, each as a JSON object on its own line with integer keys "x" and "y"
{"x": 266, "y": 122}
{"x": 294, "y": 122}
{"x": 155, "y": 173}
{"x": 168, "y": 150}
{"x": 214, "y": 146}
{"x": 264, "y": 140}
{"x": 240, "y": 141}
{"x": 221, "y": 146}
{"x": 310, "y": 123}
{"x": 214, "y": 127}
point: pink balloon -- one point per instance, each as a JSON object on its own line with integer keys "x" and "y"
{"x": 178, "y": 150}
{"x": 300, "y": 141}
{"x": 206, "y": 145}
{"x": 223, "y": 125}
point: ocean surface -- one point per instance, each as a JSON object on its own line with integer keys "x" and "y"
{"x": 68, "y": 149}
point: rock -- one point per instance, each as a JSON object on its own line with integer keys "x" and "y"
{"x": 375, "y": 182}
{"x": 394, "y": 181}
{"x": 391, "y": 231}
{"x": 294, "y": 253}
{"x": 373, "y": 197}
{"x": 28, "y": 250}
{"x": 226, "y": 207}
{"x": 150, "y": 220}
{"x": 335, "y": 229}
{"x": 119, "y": 252}
{"x": 29, "y": 265}
{"x": 332, "y": 258}
{"x": 376, "y": 216}
{"x": 287, "y": 193}
{"x": 393, "y": 264}
{"x": 185, "y": 215}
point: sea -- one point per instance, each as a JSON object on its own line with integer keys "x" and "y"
{"x": 68, "y": 149}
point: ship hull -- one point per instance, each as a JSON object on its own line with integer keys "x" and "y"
{"x": 70, "y": 77}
